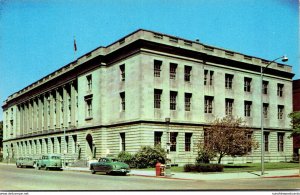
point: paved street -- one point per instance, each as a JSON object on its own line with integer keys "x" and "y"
{"x": 13, "y": 178}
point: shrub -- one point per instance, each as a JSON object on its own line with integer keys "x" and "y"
{"x": 148, "y": 156}
{"x": 204, "y": 156}
{"x": 209, "y": 167}
{"x": 127, "y": 158}
{"x": 189, "y": 168}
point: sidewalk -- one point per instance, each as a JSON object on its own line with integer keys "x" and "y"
{"x": 208, "y": 176}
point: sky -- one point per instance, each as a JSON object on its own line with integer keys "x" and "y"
{"x": 36, "y": 36}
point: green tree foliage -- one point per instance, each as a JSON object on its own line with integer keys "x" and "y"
{"x": 227, "y": 136}
{"x": 295, "y": 123}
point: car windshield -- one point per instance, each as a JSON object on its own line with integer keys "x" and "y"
{"x": 55, "y": 157}
{"x": 114, "y": 160}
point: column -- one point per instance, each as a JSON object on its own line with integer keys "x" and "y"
{"x": 48, "y": 112}
{"x": 65, "y": 105}
{"x": 34, "y": 123}
{"x": 42, "y": 112}
{"x": 51, "y": 110}
{"x": 30, "y": 117}
{"x": 73, "y": 103}
{"x": 69, "y": 106}
{"x": 39, "y": 114}
{"x": 21, "y": 119}
{"x": 25, "y": 118}
{"x": 54, "y": 110}
{"x": 61, "y": 108}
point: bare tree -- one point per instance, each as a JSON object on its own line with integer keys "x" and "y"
{"x": 228, "y": 136}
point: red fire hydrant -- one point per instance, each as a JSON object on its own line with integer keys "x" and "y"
{"x": 160, "y": 169}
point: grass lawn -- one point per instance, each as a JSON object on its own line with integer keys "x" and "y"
{"x": 257, "y": 166}
{"x": 247, "y": 167}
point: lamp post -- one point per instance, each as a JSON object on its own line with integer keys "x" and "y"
{"x": 168, "y": 165}
{"x": 262, "y": 70}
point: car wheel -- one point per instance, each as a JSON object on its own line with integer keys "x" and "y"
{"x": 93, "y": 170}
{"x": 38, "y": 167}
{"x": 46, "y": 168}
{"x": 124, "y": 174}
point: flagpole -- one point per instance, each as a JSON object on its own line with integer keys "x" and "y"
{"x": 75, "y": 48}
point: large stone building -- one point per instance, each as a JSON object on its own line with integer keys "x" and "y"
{"x": 118, "y": 98}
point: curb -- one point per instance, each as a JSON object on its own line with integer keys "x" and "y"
{"x": 283, "y": 176}
{"x": 161, "y": 177}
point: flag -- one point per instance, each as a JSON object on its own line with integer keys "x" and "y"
{"x": 75, "y": 47}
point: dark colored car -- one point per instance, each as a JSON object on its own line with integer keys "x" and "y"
{"x": 109, "y": 166}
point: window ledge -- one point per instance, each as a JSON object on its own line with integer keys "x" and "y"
{"x": 88, "y": 118}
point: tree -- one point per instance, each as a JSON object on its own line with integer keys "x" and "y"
{"x": 295, "y": 123}
{"x": 228, "y": 136}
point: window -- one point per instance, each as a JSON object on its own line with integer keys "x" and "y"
{"x": 228, "y": 81}
{"x": 280, "y": 142}
{"x": 280, "y": 89}
{"x": 247, "y": 84}
{"x": 157, "y": 68}
{"x": 122, "y": 96}
{"x": 247, "y": 108}
{"x": 187, "y": 101}
{"x": 265, "y": 87}
{"x": 52, "y": 144}
{"x": 122, "y": 140}
{"x": 280, "y": 111}
{"x": 173, "y": 68}
{"x": 67, "y": 145}
{"x": 157, "y": 138}
{"x": 88, "y": 107}
{"x": 157, "y": 98}
{"x": 266, "y": 141}
{"x": 173, "y": 96}
{"x": 173, "y": 137}
{"x": 122, "y": 71}
{"x": 265, "y": 110}
{"x": 228, "y": 106}
{"x": 206, "y": 137}
{"x": 187, "y": 145}
{"x": 208, "y": 104}
{"x": 74, "y": 143}
{"x": 187, "y": 73}
{"x": 249, "y": 137}
{"x": 208, "y": 77}
{"x": 89, "y": 82}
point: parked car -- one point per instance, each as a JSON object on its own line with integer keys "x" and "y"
{"x": 25, "y": 162}
{"x": 109, "y": 166}
{"x": 50, "y": 161}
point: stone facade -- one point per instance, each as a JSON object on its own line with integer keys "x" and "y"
{"x": 118, "y": 97}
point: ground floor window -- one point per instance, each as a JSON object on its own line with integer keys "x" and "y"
{"x": 122, "y": 140}
{"x": 280, "y": 142}
{"x": 187, "y": 145}
{"x": 266, "y": 141}
{"x": 173, "y": 139}
{"x": 157, "y": 138}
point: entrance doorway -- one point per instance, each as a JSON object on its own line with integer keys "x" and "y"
{"x": 89, "y": 146}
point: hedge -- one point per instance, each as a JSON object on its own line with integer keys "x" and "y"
{"x": 203, "y": 168}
